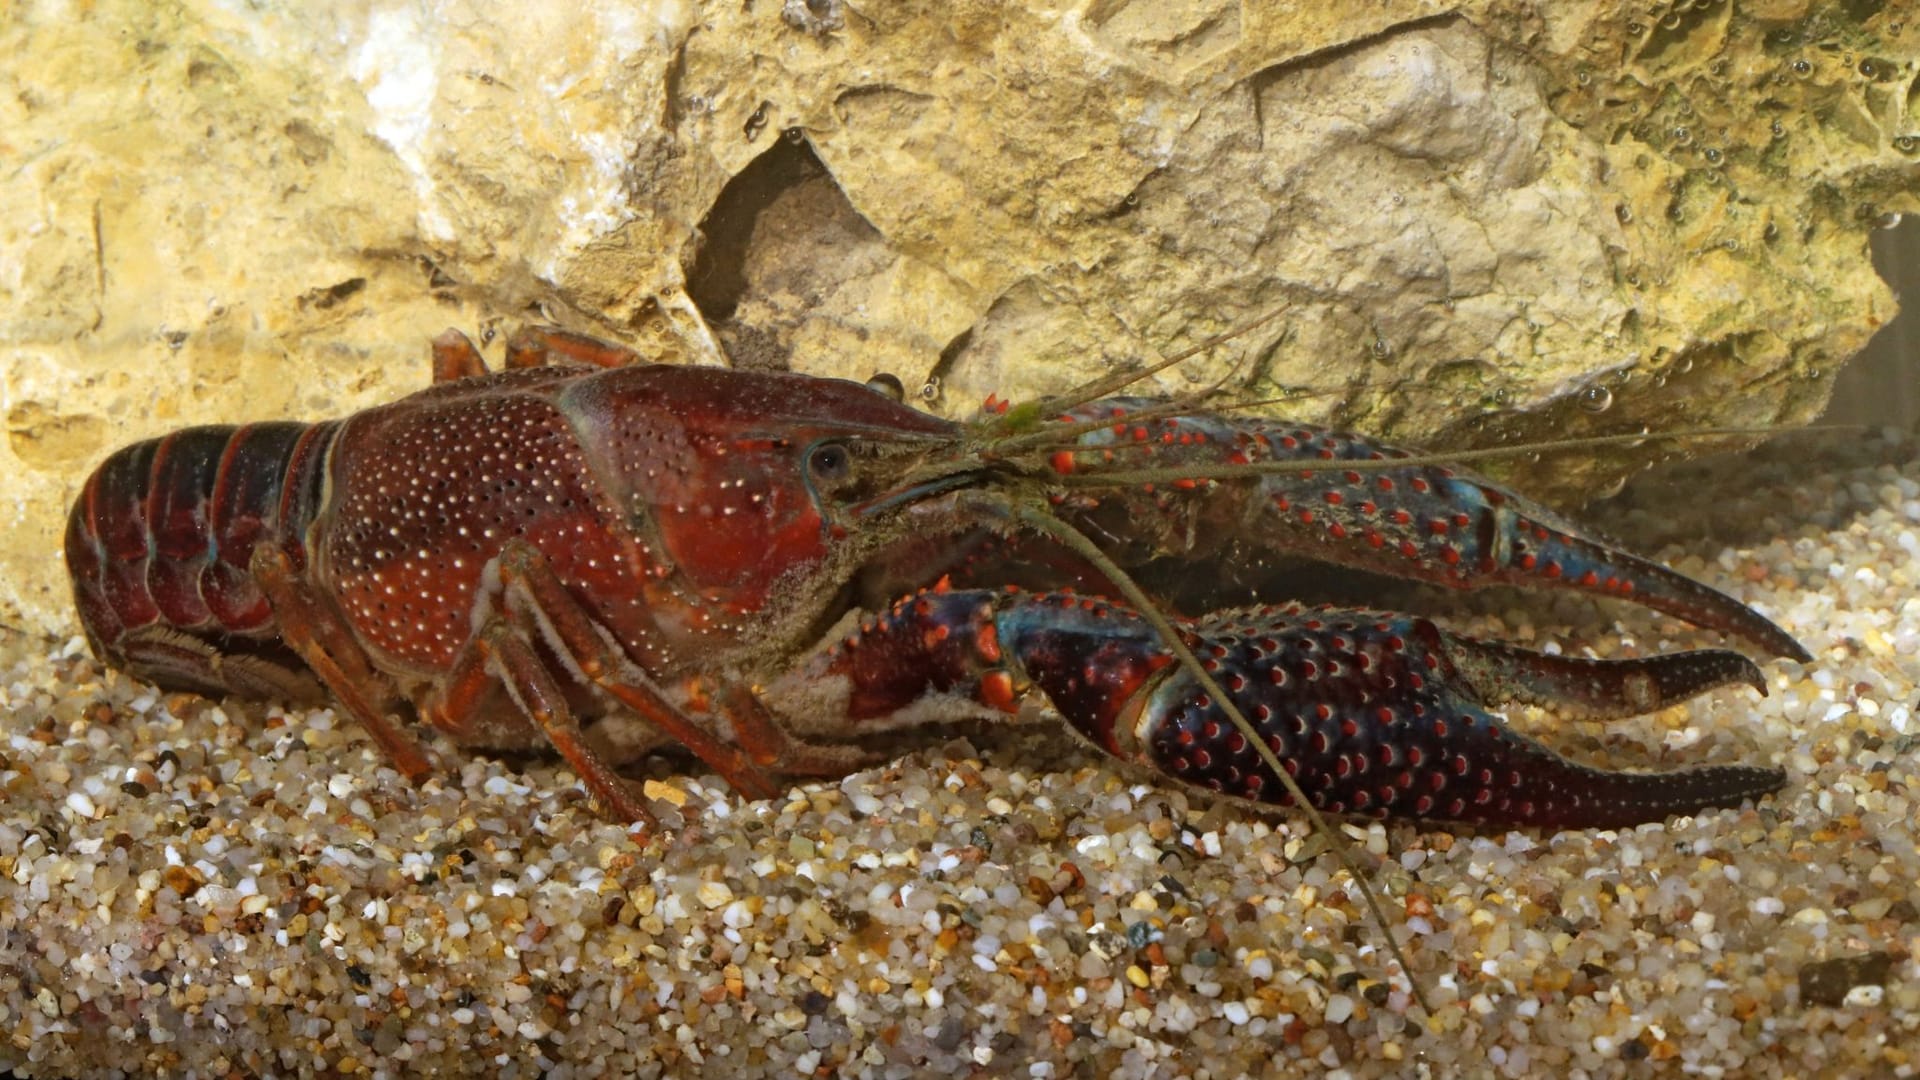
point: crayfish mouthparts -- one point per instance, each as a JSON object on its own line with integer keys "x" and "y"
{"x": 1370, "y": 712}
{"x": 919, "y": 493}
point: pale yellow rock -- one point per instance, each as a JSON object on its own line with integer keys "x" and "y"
{"x": 1480, "y": 217}
{"x": 673, "y": 793}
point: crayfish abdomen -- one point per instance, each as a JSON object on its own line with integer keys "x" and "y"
{"x": 158, "y": 545}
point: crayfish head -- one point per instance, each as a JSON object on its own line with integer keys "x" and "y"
{"x": 733, "y": 480}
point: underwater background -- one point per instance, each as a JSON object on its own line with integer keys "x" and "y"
{"x": 1485, "y": 224}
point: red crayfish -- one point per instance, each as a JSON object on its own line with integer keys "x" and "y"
{"x": 604, "y": 556}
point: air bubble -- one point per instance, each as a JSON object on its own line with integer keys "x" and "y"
{"x": 1887, "y": 221}
{"x": 888, "y": 385}
{"x": 1624, "y": 213}
{"x": 1802, "y": 68}
{"x": 931, "y": 390}
{"x": 756, "y": 121}
{"x": 1596, "y": 399}
{"x": 1712, "y": 155}
{"x": 1906, "y": 144}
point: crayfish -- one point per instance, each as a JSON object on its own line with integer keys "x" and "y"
{"x": 601, "y": 556}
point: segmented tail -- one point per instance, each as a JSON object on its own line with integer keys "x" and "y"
{"x": 158, "y": 547}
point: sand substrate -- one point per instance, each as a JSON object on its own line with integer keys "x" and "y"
{"x": 189, "y": 889}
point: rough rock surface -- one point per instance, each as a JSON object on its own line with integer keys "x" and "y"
{"x": 1481, "y": 217}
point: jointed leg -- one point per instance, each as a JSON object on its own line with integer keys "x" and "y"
{"x": 316, "y": 631}
{"x": 455, "y": 357}
{"x": 499, "y": 653}
{"x": 771, "y": 746}
{"x": 539, "y": 346}
{"x": 535, "y": 602}
{"x": 535, "y": 599}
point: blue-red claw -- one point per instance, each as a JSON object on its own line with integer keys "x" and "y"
{"x": 1433, "y": 523}
{"x": 1372, "y": 713}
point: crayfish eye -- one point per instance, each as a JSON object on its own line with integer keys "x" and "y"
{"x": 829, "y": 462}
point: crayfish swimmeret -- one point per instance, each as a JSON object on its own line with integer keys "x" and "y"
{"x": 605, "y": 556}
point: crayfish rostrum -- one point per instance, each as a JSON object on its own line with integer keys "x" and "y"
{"x": 605, "y": 556}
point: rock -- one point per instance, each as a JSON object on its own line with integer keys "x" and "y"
{"x": 1827, "y": 982}
{"x": 1486, "y": 222}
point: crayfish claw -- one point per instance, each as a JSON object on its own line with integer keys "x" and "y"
{"x": 1360, "y": 503}
{"x": 1371, "y": 712}
{"x": 1390, "y": 715}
